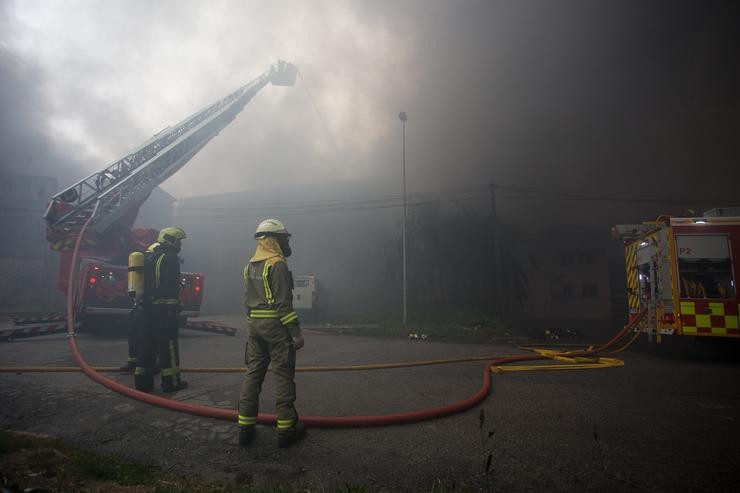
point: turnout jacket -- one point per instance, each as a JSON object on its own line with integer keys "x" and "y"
{"x": 163, "y": 278}
{"x": 269, "y": 285}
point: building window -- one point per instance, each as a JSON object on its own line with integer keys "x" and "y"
{"x": 567, "y": 258}
{"x": 567, "y": 291}
{"x": 585, "y": 257}
{"x": 589, "y": 291}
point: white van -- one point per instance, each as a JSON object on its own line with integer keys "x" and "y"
{"x": 305, "y": 297}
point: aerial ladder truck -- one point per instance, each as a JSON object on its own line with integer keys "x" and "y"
{"x": 109, "y": 201}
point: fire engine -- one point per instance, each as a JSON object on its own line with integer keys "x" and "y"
{"x": 682, "y": 271}
{"x": 110, "y": 200}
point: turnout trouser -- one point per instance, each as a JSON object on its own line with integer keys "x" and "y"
{"x": 164, "y": 323}
{"x": 145, "y": 350}
{"x": 135, "y": 321}
{"x": 268, "y": 340}
{"x": 158, "y": 341}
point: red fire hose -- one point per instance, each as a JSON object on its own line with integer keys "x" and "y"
{"x": 311, "y": 421}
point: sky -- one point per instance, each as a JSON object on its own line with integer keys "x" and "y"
{"x": 608, "y": 98}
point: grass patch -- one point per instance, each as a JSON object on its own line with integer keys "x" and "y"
{"x": 40, "y": 463}
{"x": 111, "y": 468}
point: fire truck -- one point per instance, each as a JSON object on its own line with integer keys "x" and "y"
{"x": 108, "y": 201}
{"x": 682, "y": 271}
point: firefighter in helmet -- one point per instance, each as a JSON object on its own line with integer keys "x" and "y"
{"x": 273, "y": 334}
{"x": 137, "y": 322}
{"x": 161, "y": 307}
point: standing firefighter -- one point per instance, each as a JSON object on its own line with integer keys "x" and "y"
{"x": 274, "y": 334}
{"x": 137, "y": 322}
{"x": 161, "y": 307}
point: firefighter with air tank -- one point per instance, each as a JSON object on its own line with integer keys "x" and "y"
{"x": 137, "y": 321}
{"x": 158, "y": 293}
{"x": 273, "y": 334}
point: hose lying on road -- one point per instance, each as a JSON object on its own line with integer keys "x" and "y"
{"x": 311, "y": 421}
{"x": 241, "y": 369}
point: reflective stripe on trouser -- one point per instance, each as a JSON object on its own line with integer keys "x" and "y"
{"x": 247, "y": 420}
{"x": 268, "y": 340}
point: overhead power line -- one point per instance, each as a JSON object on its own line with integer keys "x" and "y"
{"x": 304, "y": 207}
{"x": 309, "y": 203}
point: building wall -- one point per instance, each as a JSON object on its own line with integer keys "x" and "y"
{"x": 27, "y": 267}
{"x": 343, "y": 249}
{"x": 568, "y": 280}
{"x": 350, "y": 251}
{"x": 157, "y": 211}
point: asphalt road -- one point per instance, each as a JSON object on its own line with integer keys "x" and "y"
{"x": 660, "y": 423}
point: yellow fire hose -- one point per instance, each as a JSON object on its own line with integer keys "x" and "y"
{"x": 579, "y": 363}
{"x": 567, "y": 363}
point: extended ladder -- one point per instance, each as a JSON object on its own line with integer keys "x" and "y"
{"x": 126, "y": 184}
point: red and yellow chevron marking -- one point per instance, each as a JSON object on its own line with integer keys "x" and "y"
{"x": 709, "y": 318}
{"x": 633, "y": 287}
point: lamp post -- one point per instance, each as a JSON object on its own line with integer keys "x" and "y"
{"x": 402, "y": 116}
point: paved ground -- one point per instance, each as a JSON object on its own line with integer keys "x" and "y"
{"x": 658, "y": 424}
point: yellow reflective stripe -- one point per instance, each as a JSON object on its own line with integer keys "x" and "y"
{"x": 166, "y": 301}
{"x": 247, "y": 420}
{"x": 157, "y": 270}
{"x": 290, "y": 317}
{"x": 688, "y": 308}
{"x": 168, "y": 372}
{"x": 263, "y": 314}
{"x": 245, "y": 274}
{"x": 268, "y": 292}
{"x": 284, "y": 424}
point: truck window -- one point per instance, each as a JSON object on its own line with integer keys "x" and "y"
{"x": 706, "y": 278}
{"x": 705, "y": 266}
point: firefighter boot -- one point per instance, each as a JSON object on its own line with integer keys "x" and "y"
{"x": 246, "y": 434}
{"x": 143, "y": 379}
{"x": 288, "y": 437}
{"x": 173, "y": 383}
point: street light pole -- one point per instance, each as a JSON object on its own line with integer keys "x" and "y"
{"x": 402, "y": 116}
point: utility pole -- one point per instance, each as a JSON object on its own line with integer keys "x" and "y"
{"x": 496, "y": 240}
{"x": 402, "y": 116}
